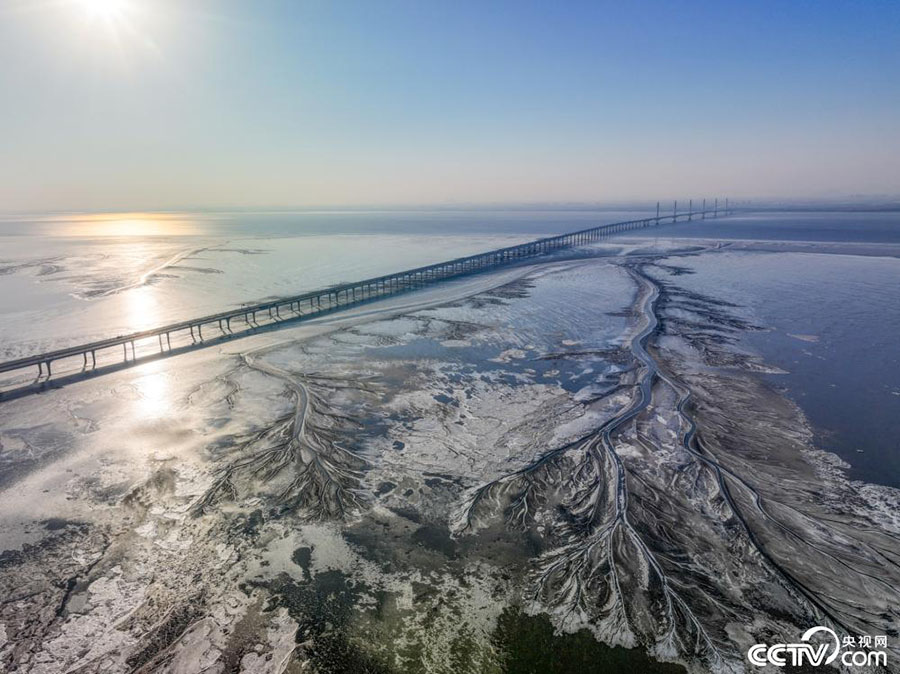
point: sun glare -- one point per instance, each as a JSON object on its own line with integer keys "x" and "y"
{"x": 128, "y": 26}
{"x": 108, "y": 11}
{"x": 118, "y": 19}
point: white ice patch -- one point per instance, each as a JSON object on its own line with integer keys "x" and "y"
{"x": 97, "y": 635}
{"x": 508, "y": 355}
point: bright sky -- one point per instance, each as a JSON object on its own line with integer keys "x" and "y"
{"x": 169, "y": 104}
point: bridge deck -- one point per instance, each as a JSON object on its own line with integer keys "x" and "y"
{"x": 328, "y": 299}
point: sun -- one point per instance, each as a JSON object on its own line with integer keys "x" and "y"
{"x": 107, "y": 11}
{"x": 117, "y": 20}
{"x": 113, "y": 31}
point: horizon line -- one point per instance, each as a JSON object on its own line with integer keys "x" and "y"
{"x": 886, "y": 202}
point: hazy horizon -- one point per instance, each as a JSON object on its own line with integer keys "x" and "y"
{"x": 864, "y": 202}
{"x": 132, "y": 105}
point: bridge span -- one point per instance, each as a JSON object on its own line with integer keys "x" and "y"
{"x": 246, "y": 319}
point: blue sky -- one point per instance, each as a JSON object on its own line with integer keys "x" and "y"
{"x": 169, "y": 104}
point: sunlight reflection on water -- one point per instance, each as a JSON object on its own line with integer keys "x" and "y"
{"x": 142, "y": 308}
{"x": 154, "y": 391}
{"x": 127, "y": 224}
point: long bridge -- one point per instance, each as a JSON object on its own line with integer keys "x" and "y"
{"x": 246, "y": 319}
